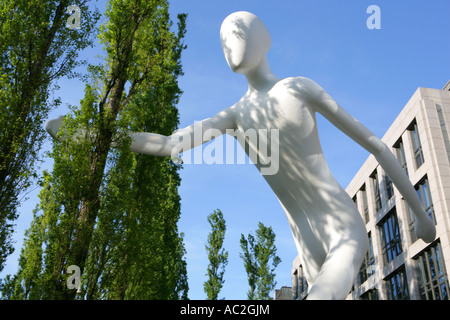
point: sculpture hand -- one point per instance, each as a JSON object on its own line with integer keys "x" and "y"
{"x": 177, "y": 159}
{"x": 53, "y": 125}
{"x": 425, "y": 228}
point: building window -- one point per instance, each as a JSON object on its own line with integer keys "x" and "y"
{"x": 417, "y": 146}
{"x": 411, "y": 221}
{"x": 390, "y": 233}
{"x": 400, "y": 152}
{"x": 300, "y": 285}
{"x": 368, "y": 265}
{"x": 389, "y": 187}
{"x": 365, "y": 205}
{"x": 444, "y": 129}
{"x": 423, "y": 191}
{"x": 295, "y": 285}
{"x": 433, "y": 278}
{"x": 376, "y": 190}
{"x": 398, "y": 285}
{"x": 371, "y": 294}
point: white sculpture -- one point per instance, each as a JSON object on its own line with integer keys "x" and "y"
{"x": 328, "y": 230}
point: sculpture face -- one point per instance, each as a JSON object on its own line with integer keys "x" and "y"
{"x": 245, "y": 41}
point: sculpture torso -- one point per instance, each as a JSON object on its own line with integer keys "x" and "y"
{"x": 303, "y": 183}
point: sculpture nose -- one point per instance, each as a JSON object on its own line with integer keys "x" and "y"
{"x": 235, "y": 57}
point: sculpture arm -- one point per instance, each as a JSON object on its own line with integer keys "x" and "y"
{"x": 202, "y": 131}
{"x": 425, "y": 228}
{"x": 53, "y": 126}
{"x": 183, "y": 139}
{"x": 323, "y": 103}
{"x": 160, "y": 145}
{"x": 149, "y": 143}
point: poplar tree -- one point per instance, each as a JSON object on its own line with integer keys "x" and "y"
{"x": 111, "y": 212}
{"x": 218, "y": 257}
{"x": 260, "y": 261}
{"x": 36, "y": 49}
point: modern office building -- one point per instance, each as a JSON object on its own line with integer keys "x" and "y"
{"x": 398, "y": 265}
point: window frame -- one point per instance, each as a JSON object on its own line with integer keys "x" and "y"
{"x": 398, "y": 285}
{"x": 423, "y": 191}
{"x": 417, "y": 144}
{"x": 391, "y": 241}
{"x": 428, "y": 262}
{"x": 376, "y": 191}
{"x": 368, "y": 266}
{"x": 399, "y": 146}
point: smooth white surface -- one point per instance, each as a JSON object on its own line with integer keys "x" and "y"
{"x": 328, "y": 230}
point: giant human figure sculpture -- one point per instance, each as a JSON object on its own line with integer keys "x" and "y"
{"x": 328, "y": 230}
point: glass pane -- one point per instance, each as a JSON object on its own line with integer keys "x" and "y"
{"x": 438, "y": 260}
{"x": 415, "y": 136}
{"x": 419, "y": 193}
{"x": 426, "y": 195}
{"x": 435, "y": 284}
{"x": 425, "y": 268}
{"x": 437, "y": 295}
{"x": 444, "y": 291}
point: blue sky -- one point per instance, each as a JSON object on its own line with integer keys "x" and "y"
{"x": 370, "y": 73}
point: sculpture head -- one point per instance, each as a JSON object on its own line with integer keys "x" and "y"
{"x": 245, "y": 41}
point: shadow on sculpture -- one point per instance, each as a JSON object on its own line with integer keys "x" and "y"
{"x": 327, "y": 228}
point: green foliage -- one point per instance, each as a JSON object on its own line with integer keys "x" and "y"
{"x": 109, "y": 211}
{"x": 218, "y": 257}
{"x": 36, "y": 49}
{"x": 260, "y": 261}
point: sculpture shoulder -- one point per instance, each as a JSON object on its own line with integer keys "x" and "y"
{"x": 225, "y": 119}
{"x": 303, "y": 88}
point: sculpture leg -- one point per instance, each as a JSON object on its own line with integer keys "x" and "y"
{"x": 331, "y": 241}
{"x": 311, "y": 250}
{"x": 340, "y": 268}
